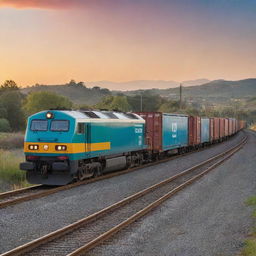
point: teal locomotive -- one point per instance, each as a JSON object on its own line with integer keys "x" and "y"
{"x": 62, "y": 146}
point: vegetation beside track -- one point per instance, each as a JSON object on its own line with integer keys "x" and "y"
{"x": 250, "y": 244}
{"x": 11, "y": 140}
{"x": 10, "y": 175}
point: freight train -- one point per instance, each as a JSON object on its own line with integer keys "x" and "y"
{"x": 64, "y": 146}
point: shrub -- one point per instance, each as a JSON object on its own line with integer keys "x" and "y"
{"x": 12, "y": 141}
{"x": 9, "y": 167}
{"x": 4, "y": 125}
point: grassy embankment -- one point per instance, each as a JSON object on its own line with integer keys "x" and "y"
{"x": 11, "y": 154}
{"x": 253, "y": 127}
{"x": 250, "y": 244}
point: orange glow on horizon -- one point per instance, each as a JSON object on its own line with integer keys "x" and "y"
{"x": 120, "y": 44}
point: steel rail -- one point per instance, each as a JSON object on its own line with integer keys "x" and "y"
{"x": 68, "y": 229}
{"x": 100, "y": 239}
{"x": 17, "y": 191}
{"x": 50, "y": 191}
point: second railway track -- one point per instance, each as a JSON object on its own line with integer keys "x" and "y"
{"x": 85, "y": 234}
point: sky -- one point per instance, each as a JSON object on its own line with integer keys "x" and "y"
{"x": 54, "y": 41}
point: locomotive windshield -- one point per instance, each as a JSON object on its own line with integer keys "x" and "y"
{"x": 39, "y": 125}
{"x": 59, "y": 125}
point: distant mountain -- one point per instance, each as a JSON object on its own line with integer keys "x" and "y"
{"x": 224, "y": 89}
{"x": 144, "y": 84}
{"x": 214, "y": 91}
{"x": 195, "y": 82}
{"x": 218, "y": 91}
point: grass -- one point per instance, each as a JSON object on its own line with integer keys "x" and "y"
{"x": 11, "y": 140}
{"x": 250, "y": 244}
{"x": 250, "y": 247}
{"x": 9, "y": 168}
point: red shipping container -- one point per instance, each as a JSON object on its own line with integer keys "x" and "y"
{"x": 222, "y": 127}
{"x": 194, "y": 127}
{"x": 216, "y": 128}
{"x": 230, "y": 129}
{"x": 237, "y": 126}
{"x": 211, "y": 129}
{"x": 226, "y": 132}
{"x": 153, "y": 129}
{"x": 242, "y": 124}
{"x": 233, "y": 126}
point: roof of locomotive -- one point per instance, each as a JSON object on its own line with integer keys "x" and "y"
{"x": 96, "y": 114}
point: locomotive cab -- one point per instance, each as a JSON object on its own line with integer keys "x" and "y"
{"x": 49, "y": 147}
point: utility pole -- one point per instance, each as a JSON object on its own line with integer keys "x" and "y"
{"x": 141, "y": 102}
{"x": 180, "y": 96}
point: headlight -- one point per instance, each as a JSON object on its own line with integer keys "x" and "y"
{"x": 33, "y": 147}
{"x": 61, "y": 148}
{"x": 46, "y": 147}
{"x": 49, "y": 115}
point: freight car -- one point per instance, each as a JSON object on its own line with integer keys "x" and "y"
{"x": 165, "y": 133}
{"x": 64, "y": 146}
{"x": 205, "y": 131}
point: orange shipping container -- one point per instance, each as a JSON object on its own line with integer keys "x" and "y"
{"x": 216, "y": 128}
{"x": 194, "y": 130}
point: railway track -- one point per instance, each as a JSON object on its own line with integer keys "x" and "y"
{"x": 91, "y": 231}
{"x": 26, "y": 194}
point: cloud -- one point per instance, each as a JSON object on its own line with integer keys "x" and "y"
{"x": 43, "y": 4}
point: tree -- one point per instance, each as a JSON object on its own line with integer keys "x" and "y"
{"x": 110, "y": 102}
{"x": 4, "y": 125}
{"x": 12, "y": 103}
{"x": 72, "y": 83}
{"x": 9, "y": 85}
{"x": 150, "y": 102}
{"x": 105, "y": 102}
{"x": 44, "y": 100}
{"x": 169, "y": 107}
{"x": 120, "y": 103}
{"x": 81, "y": 84}
{"x": 3, "y": 111}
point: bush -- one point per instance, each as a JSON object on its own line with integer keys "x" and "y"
{"x": 4, "y": 125}
{"x": 43, "y": 100}
{"x": 12, "y": 141}
{"x": 9, "y": 167}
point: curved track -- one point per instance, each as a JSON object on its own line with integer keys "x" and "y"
{"x": 85, "y": 234}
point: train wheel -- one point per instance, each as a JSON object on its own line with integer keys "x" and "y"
{"x": 80, "y": 175}
{"x": 97, "y": 171}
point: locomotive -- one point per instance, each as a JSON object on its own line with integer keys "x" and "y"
{"x": 62, "y": 146}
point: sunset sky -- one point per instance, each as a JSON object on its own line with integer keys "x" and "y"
{"x": 53, "y": 41}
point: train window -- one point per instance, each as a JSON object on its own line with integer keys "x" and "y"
{"x": 80, "y": 128}
{"x": 39, "y": 125}
{"x": 59, "y": 125}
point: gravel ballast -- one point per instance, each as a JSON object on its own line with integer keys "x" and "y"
{"x": 208, "y": 218}
{"x": 29, "y": 220}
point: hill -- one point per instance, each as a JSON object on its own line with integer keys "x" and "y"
{"x": 145, "y": 84}
{"x": 213, "y": 92}
{"x": 76, "y": 92}
{"x": 217, "y": 91}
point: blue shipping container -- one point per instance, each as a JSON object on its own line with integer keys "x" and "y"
{"x": 205, "y": 130}
{"x": 174, "y": 131}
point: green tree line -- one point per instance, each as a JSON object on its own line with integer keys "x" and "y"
{"x": 15, "y": 107}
